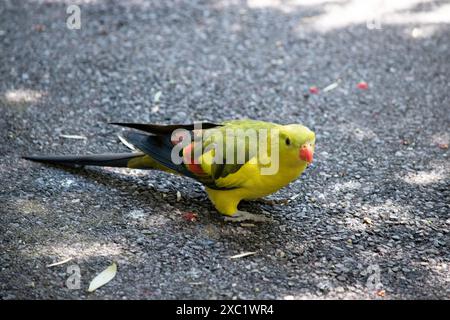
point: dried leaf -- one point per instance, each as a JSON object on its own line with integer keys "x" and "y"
{"x": 332, "y": 86}
{"x": 59, "y": 263}
{"x": 295, "y": 196}
{"x": 248, "y": 225}
{"x": 103, "y": 278}
{"x": 242, "y": 255}
{"x": 157, "y": 97}
{"x": 443, "y": 146}
{"x": 73, "y": 136}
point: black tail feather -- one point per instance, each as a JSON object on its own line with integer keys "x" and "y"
{"x": 105, "y": 160}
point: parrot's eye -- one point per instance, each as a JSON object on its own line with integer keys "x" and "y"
{"x": 288, "y": 141}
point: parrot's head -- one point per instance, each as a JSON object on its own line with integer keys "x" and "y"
{"x": 297, "y": 143}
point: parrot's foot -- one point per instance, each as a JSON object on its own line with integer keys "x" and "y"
{"x": 240, "y": 216}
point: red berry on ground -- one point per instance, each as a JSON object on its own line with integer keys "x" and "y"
{"x": 314, "y": 90}
{"x": 190, "y": 216}
{"x": 363, "y": 85}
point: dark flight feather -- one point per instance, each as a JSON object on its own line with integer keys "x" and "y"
{"x": 107, "y": 159}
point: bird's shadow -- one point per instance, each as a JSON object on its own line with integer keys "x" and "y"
{"x": 147, "y": 193}
{"x": 122, "y": 183}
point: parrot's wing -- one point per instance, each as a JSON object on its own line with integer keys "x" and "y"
{"x": 221, "y": 174}
{"x": 159, "y": 148}
{"x": 230, "y": 172}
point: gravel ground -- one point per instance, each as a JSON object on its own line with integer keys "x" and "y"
{"x": 371, "y": 216}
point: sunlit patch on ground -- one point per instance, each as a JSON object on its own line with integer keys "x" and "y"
{"x": 376, "y": 13}
{"x": 346, "y": 186}
{"x": 441, "y": 138}
{"x": 355, "y": 224}
{"x": 137, "y": 214}
{"x": 22, "y": 96}
{"x": 75, "y": 250}
{"x": 389, "y": 210}
{"x": 352, "y": 129}
{"x": 426, "y": 177}
{"x": 25, "y": 206}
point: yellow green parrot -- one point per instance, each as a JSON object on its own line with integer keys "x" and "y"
{"x": 235, "y": 160}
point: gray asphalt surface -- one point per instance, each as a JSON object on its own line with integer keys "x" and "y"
{"x": 371, "y": 216}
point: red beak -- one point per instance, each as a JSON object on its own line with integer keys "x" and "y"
{"x": 306, "y": 153}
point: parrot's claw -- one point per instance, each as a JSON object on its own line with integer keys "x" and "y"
{"x": 240, "y": 216}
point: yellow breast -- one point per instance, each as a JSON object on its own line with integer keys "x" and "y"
{"x": 262, "y": 185}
